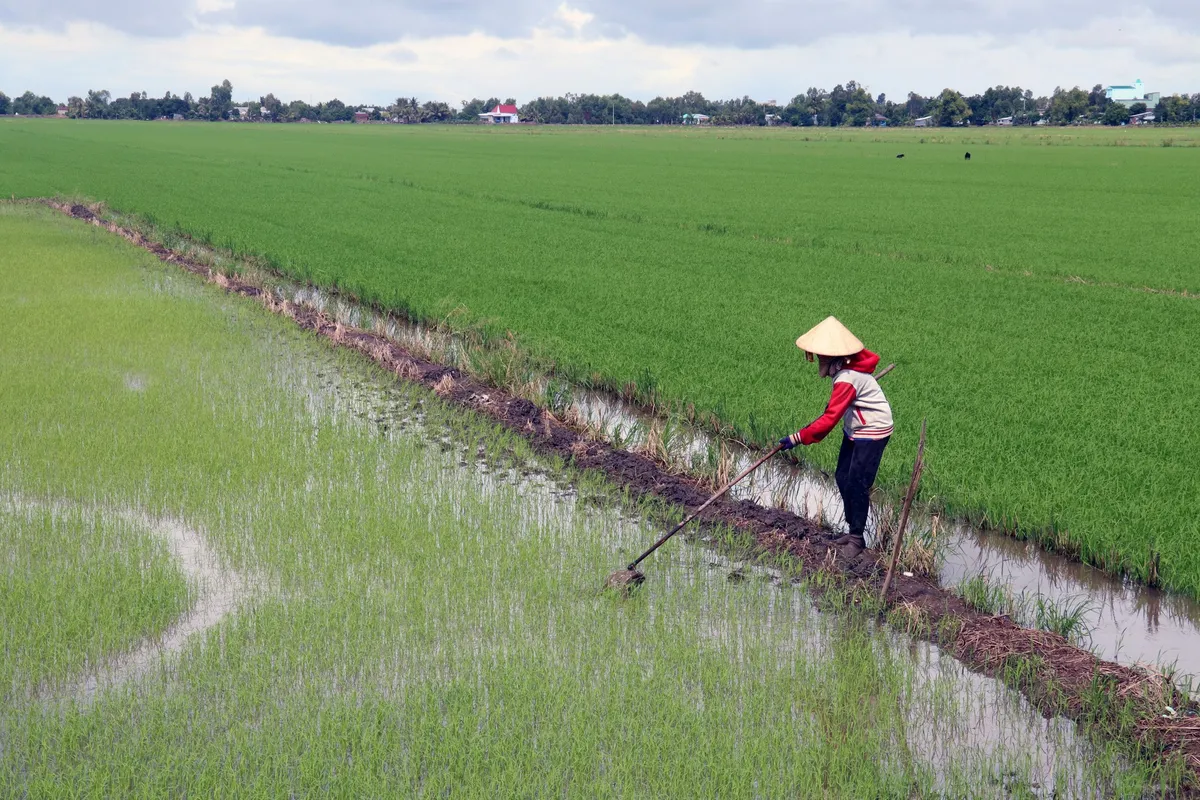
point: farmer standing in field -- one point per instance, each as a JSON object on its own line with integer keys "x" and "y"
{"x": 866, "y": 419}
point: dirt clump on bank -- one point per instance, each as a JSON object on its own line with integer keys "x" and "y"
{"x": 1056, "y": 676}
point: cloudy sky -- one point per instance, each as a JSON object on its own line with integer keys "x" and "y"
{"x": 374, "y": 50}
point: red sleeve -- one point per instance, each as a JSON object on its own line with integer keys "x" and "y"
{"x": 843, "y": 395}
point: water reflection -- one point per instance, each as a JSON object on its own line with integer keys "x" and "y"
{"x": 1130, "y": 623}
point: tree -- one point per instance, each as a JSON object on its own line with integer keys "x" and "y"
{"x": 995, "y": 103}
{"x": 738, "y": 111}
{"x": 588, "y": 109}
{"x": 298, "y": 110}
{"x": 1115, "y": 114}
{"x": 896, "y": 113}
{"x": 835, "y": 106}
{"x": 949, "y": 108}
{"x": 406, "y": 109}
{"x": 172, "y": 104}
{"x": 4, "y": 103}
{"x": 75, "y": 107}
{"x": 274, "y": 107}
{"x": 810, "y": 107}
{"x": 334, "y": 111}
{"x": 122, "y": 108}
{"x": 471, "y": 109}
{"x": 436, "y": 112}
{"x": 1098, "y": 101}
{"x": 1176, "y": 108}
{"x": 551, "y": 110}
{"x": 1137, "y": 108}
{"x": 1028, "y": 110}
{"x": 693, "y": 102}
{"x": 796, "y": 112}
{"x": 220, "y": 101}
{"x": 1068, "y": 106}
{"x": 30, "y": 104}
{"x": 96, "y": 105}
{"x": 916, "y": 105}
{"x": 859, "y": 107}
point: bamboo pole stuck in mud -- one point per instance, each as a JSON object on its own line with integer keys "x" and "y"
{"x": 918, "y": 465}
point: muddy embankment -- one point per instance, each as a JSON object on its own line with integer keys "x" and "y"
{"x": 1058, "y": 677}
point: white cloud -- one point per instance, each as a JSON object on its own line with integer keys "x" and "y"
{"x": 573, "y": 17}
{"x": 214, "y": 6}
{"x": 559, "y": 55}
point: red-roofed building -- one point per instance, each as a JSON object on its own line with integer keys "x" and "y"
{"x": 501, "y": 114}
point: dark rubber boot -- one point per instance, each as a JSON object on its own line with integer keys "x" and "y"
{"x": 853, "y": 546}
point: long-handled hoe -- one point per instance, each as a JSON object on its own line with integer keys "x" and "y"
{"x": 624, "y": 579}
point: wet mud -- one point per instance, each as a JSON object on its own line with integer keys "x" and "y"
{"x": 1057, "y": 677}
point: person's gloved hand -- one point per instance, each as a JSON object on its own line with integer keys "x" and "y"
{"x": 788, "y": 442}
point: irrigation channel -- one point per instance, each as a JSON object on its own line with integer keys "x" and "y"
{"x": 1120, "y": 620}
{"x": 988, "y": 718}
{"x": 957, "y": 722}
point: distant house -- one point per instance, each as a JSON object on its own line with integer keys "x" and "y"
{"x": 1127, "y": 95}
{"x": 361, "y": 116}
{"x": 879, "y": 121}
{"x": 1005, "y": 122}
{"x": 240, "y": 112}
{"x": 503, "y": 114}
{"x": 695, "y": 119}
{"x": 923, "y": 122}
{"x": 61, "y": 111}
{"x": 772, "y": 119}
{"x": 177, "y": 117}
{"x": 1143, "y": 118}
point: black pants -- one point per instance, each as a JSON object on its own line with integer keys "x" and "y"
{"x": 858, "y": 463}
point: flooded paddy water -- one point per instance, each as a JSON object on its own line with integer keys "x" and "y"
{"x": 962, "y": 733}
{"x": 1120, "y": 620}
{"x": 417, "y": 607}
{"x": 215, "y": 591}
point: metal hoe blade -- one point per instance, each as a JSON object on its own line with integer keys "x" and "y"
{"x": 624, "y": 580}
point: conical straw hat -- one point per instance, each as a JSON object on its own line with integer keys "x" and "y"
{"x": 829, "y": 338}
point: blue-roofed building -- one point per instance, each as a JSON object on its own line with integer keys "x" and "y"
{"x": 1127, "y": 95}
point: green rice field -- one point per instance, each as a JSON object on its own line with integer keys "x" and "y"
{"x": 241, "y": 563}
{"x": 1039, "y": 299}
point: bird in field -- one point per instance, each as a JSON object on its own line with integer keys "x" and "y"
{"x": 967, "y": 156}
{"x": 900, "y": 155}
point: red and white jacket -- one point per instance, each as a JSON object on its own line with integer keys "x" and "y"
{"x": 857, "y": 400}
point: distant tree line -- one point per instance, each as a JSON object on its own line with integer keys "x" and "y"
{"x": 850, "y": 104}
{"x": 27, "y": 104}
